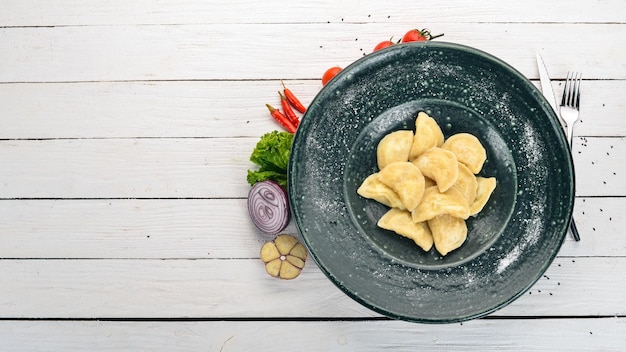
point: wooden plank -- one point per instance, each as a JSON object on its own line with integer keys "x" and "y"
{"x": 135, "y": 168}
{"x": 203, "y": 167}
{"x": 480, "y": 335}
{"x": 165, "y": 289}
{"x": 599, "y": 227}
{"x": 240, "y": 288}
{"x": 207, "y": 229}
{"x": 129, "y": 228}
{"x": 68, "y": 12}
{"x": 208, "y": 108}
{"x": 143, "y": 109}
{"x": 187, "y": 52}
{"x": 599, "y": 164}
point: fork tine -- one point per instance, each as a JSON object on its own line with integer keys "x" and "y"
{"x": 577, "y": 90}
{"x": 571, "y": 91}
{"x": 564, "y": 99}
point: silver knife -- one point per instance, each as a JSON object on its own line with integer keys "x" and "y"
{"x": 546, "y": 88}
{"x": 548, "y": 93}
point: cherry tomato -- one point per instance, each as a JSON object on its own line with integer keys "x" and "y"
{"x": 415, "y": 35}
{"x": 383, "y": 45}
{"x": 330, "y": 73}
{"x": 419, "y": 35}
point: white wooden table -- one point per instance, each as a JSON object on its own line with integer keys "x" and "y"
{"x": 125, "y": 132}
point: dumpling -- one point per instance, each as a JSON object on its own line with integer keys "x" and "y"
{"x": 429, "y": 182}
{"x": 468, "y": 150}
{"x": 394, "y": 147}
{"x": 466, "y": 183}
{"x": 485, "y": 186}
{"x": 406, "y": 180}
{"x": 448, "y": 233}
{"x": 400, "y": 222}
{"x": 373, "y": 188}
{"x": 427, "y": 135}
{"x": 435, "y": 203}
{"x": 440, "y": 165}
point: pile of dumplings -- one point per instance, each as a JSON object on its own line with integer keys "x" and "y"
{"x": 430, "y": 184}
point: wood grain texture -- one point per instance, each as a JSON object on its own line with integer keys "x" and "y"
{"x": 116, "y": 12}
{"x": 189, "y": 52}
{"x": 481, "y": 335}
{"x": 208, "y": 108}
{"x": 126, "y": 168}
{"x": 240, "y": 288}
{"x": 203, "y": 167}
{"x": 207, "y": 229}
{"x": 598, "y": 165}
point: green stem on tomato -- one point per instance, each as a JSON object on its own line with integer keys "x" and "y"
{"x": 435, "y": 36}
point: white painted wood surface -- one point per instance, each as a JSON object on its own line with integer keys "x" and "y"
{"x": 313, "y": 336}
{"x": 125, "y": 132}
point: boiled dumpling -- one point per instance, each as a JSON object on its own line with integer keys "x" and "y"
{"x": 448, "y": 233}
{"x": 485, "y": 187}
{"x": 440, "y": 165}
{"x": 394, "y": 147}
{"x": 406, "y": 180}
{"x": 466, "y": 183}
{"x": 373, "y": 188}
{"x": 429, "y": 182}
{"x": 427, "y": 135}
{"x": 468, "y": 150}
{"x": 400, "y": 222}
{"x": 435, "y": 203}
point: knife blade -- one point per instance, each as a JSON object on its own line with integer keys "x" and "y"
{"x": 546, "y": 87}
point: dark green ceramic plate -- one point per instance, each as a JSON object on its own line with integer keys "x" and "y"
{"x": 510, "y": 243}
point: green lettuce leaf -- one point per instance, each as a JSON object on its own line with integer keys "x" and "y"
{"x": 258, "y": 176}
{"x": 271, "y": 154}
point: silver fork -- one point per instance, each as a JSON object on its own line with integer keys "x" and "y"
{"x": 570, "y": 105}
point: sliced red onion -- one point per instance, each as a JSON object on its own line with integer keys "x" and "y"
{"x": 268, "y": 207}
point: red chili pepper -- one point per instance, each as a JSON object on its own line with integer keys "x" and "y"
{"x": 288, "y": 111}
{"x": 281, "y": 118}
{"x": 292, "y": 99}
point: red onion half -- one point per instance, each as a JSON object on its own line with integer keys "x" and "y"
{"x": 268, "y": 207}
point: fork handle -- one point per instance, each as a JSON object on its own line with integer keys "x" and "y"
{"x": 572, "y": 224}
{"x": 570, "y": 135}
